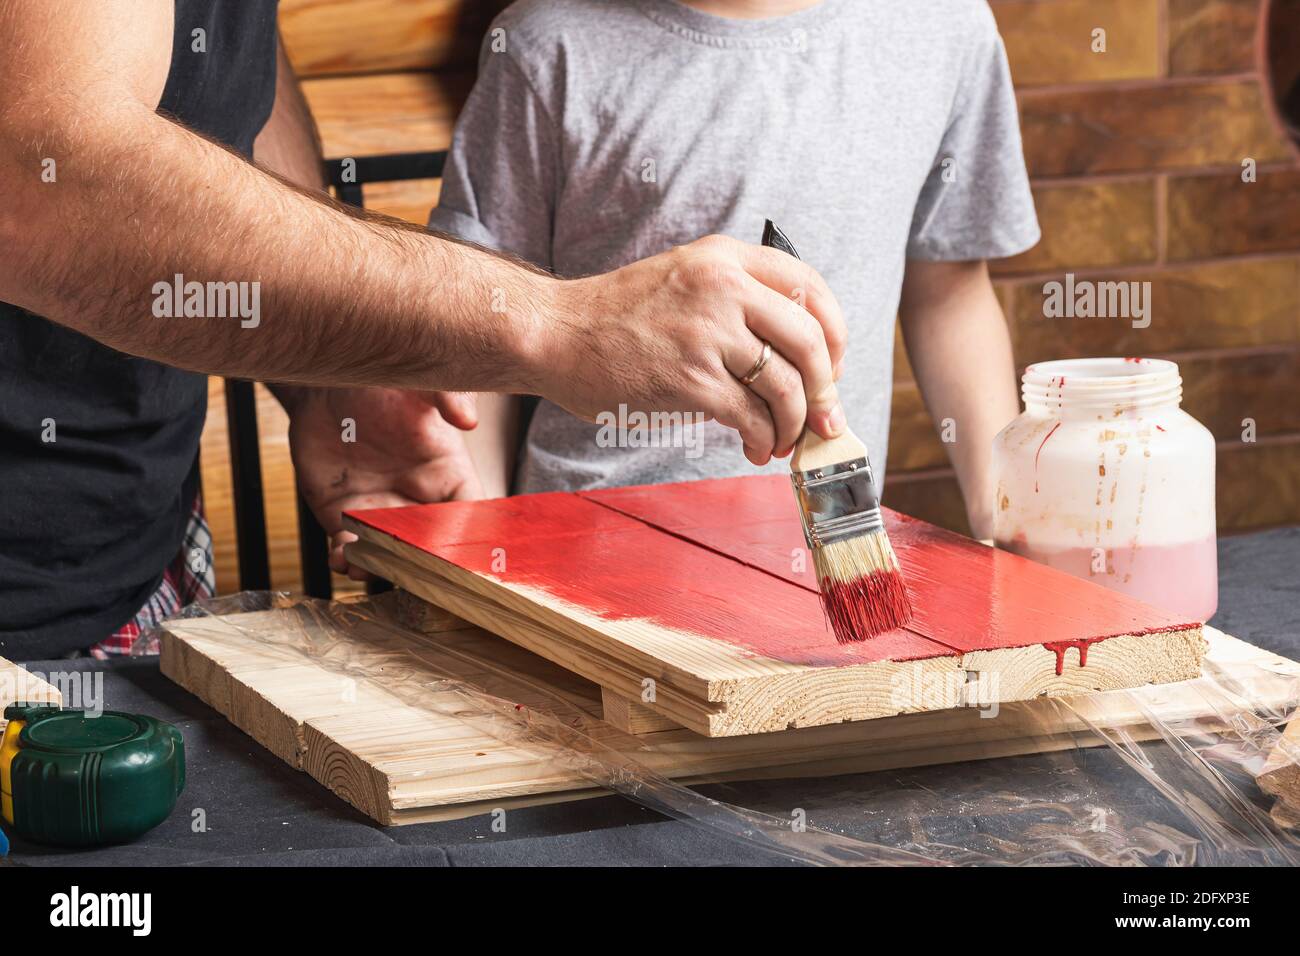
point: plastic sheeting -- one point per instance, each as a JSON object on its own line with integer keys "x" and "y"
{"x": 1186, "y": 796}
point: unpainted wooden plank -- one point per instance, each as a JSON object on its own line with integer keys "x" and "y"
{"x": 631, "y": 716}
{"x": 401, "y": 763}
{"x": 324, "y": 37}
{"x": 386, "y": 113}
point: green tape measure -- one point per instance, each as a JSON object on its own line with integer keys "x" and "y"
{"x": 71, "y": 778}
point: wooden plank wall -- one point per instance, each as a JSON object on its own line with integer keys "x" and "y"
{"x": 1136, "y": 158}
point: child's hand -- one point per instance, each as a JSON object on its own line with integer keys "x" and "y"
{"x": 678, "y": 332}
{"x": 378, "y": 448}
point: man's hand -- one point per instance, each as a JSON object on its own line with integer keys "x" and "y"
{"x": 376, "y": 448}
{"x": 677, "y": 332}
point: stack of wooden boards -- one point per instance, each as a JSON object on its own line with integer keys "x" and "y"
{"x": 696, "y": 603}
{"x": 400, "y": 760}
{"x": 679, "y": 625}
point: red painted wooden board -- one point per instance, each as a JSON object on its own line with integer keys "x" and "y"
{"x": 621, "y": 568}
{"x": 967, "y": 596}
{"x": 721, "y": 559}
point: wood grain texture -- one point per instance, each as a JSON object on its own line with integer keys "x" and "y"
{"x": 603, "y": 670}
{"x": 324, "y": 37}
{"x": 386, "y": 113}
{"x": 410, "y": 200}
{"x": 425, "y": 617}
{"x": 630, "y": 716}
{"x": 401, "y": 762}
{"x": 813, "y": 697}
{"x": 699, "y": 588}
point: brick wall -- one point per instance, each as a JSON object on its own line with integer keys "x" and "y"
{"x": 1136, "y": 158}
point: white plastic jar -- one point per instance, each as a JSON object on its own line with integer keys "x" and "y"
{"x": 1104, "y": 476}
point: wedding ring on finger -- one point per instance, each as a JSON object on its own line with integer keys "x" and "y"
{"x": 764, "y": 357}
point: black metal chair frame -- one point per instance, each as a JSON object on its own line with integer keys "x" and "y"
{"x": 347, "y": 176}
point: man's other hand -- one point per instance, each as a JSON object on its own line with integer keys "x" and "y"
{"x": 378, "y": 448}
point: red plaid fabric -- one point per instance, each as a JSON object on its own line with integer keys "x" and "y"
{"x": 188, "y": 578}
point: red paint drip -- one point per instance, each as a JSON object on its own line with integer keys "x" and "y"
{"x": 1059, "y": 648}
{"x": 866, "y": 607}
{"x": 1158, "y": 428}
{"x": 1040, "y": 451}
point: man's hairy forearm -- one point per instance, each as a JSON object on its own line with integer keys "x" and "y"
{"x": 345, "y": 299}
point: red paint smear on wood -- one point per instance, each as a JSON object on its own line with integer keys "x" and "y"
{"x": 966, "y": 595}
{"x": 628, "y": 570}
{"x": 726, "y": 559}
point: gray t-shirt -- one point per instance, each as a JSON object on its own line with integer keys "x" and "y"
{"x": 870, "y": 131}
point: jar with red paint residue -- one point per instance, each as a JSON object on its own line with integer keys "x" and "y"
{"x": 1104, "y": 476}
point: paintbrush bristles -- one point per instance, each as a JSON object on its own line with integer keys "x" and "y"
{"x": 862, "y": 589}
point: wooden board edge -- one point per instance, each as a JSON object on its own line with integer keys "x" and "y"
{"x": 630, "y": 716}
{"x": 568, "y": 620}
{"x": 534, "y": 636}
{"x": 377, "y": 795}
{"x": 812, "y": 698}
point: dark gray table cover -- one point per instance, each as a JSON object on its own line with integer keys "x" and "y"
{"x": 259, "y": 812}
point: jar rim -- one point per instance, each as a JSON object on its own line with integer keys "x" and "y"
{"x": 1102, "y": 372}
{"x": 1087, "y": 383}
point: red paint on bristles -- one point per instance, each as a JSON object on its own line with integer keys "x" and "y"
{"x": 867, "y": 606}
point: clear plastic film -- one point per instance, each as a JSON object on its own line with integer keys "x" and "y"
{"x": 1182, "y": 791}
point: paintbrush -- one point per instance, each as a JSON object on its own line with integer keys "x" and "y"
{"x": 862, "y": 589}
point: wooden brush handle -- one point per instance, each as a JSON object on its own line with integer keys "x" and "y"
{"x": 813, "y": 451}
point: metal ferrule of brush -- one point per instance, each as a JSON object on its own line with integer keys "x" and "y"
{"x": 837, "y": 502}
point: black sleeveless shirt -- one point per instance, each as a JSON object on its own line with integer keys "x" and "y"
{"x": 89, "y": 520}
